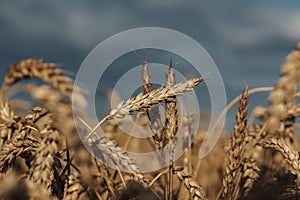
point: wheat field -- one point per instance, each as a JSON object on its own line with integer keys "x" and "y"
{"x": 43, "y": 157}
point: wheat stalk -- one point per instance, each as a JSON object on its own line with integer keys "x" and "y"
{"x": 187, "y": 123}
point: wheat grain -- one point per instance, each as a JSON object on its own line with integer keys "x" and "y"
{"x": 74, "y": 188}
{"x": 38, "y": 113}
{"x": 8, "y": 123}
{"x": 250, "y": 175}
{"x": 19, "y": 147}
{"x": 147, "y": 85}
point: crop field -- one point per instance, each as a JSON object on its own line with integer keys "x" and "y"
{"x": 42, "y": 155}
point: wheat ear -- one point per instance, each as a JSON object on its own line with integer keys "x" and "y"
{"x": 8, "y": 123}
{"x": 73, "y": 189}
{"x": 20, "y": 146}
{"x": 237, "y": 146}
{"x": 31, "y": 68}
{"x": 43, "y": 162}
{"x": 282, "y": 98}
{"x": 171, "y": 127}
{"x": 290, "y": 155}
{"x": 108, "y": 149}
{"x": 101, "y": 146}
{"x": 250, "y": 173}
{"x": 145, "y": 101}
{"x": 153, "y": 113}
{"x": 195, "y": 190}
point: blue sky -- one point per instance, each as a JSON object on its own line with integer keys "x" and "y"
{"x": 248, "y": 40}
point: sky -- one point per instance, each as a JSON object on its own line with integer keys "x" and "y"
{"x": 248, "y": 40}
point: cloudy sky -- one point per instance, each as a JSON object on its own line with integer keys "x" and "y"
{"x": 248, "y": 40}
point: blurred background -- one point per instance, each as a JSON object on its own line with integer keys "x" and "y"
{"x": 248, "y": 40}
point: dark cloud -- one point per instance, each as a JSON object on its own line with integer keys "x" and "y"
{"x": 247, "y": 40}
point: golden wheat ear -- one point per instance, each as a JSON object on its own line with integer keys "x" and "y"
{"x": 283, "y": 98}
{"x": 145, "y": 101}
{"x": 231, "y": 178}
{"x": 194, "y": 188}
{"x": 48, "y": 72}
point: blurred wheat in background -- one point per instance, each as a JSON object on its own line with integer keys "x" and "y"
{"x": 42, "y": 155}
